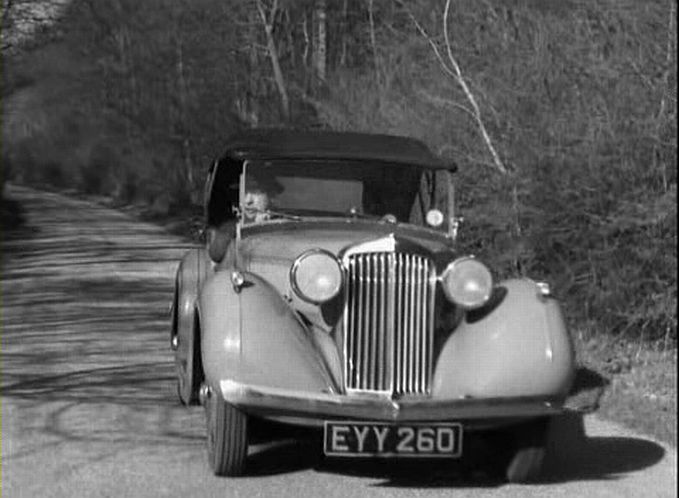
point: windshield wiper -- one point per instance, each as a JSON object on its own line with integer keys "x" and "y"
{"x": 387, "y": 218}
{"x": 280, "y": 214}
{"x": 272, "y": 214}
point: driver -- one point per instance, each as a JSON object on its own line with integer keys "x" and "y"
{"x": 256, "y": 201}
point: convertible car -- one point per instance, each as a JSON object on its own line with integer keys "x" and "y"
{"x": 330, "y": 293}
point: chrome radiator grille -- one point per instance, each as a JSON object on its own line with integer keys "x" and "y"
{"x": 388, "y": 323}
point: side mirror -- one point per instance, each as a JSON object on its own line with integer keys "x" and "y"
{"x": 236, "y": 211}
{"x": 455, "y": 222}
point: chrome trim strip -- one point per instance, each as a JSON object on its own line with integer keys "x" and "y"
{"x": 360, "y": 325}
{"x": 374, "y": 330}
{"x": 397, "y": 360}
{"x": 431, "y": 325}
{"x": 382, "y": 374}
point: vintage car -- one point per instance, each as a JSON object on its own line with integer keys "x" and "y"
{"x": 330, "y": 293}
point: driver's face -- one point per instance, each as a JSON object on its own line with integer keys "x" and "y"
{"x": 254, "y": 203}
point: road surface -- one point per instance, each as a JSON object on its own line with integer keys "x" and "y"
{"x": 88, "y": 400}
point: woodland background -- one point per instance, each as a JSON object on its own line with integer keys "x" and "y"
{"x": 132, "y": 99}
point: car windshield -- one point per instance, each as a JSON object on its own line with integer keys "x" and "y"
{"x": 295, "y": 189}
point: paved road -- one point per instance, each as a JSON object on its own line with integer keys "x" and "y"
{"x": 88, "y": 404}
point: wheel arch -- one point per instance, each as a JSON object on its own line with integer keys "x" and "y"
{"x": 197, "y": 346}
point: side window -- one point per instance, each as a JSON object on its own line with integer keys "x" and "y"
{"x": 223, "y": 191}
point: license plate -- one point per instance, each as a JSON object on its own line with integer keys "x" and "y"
{"x": 388, "y": 440}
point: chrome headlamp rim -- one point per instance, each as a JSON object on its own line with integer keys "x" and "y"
{"x": 451, "y": 267}
{"x": 295, "y": 267}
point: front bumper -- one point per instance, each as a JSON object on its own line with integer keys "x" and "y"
{"x": 282, "y": 404}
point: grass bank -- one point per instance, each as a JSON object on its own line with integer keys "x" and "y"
{"x": 639, "y": 389}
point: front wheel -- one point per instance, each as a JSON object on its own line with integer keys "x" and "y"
{"x": 189, "y": 372}
{"x": 227, "y": 436}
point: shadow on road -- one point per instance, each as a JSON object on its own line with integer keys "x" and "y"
{"x": 283, "y": 457}
{"x": 85, "y": 330}
{"x": 128, "y": 385}
{"x": 91, "y": 340}
{"x": 574, "y": 456}
{"x": 11, "y": 216}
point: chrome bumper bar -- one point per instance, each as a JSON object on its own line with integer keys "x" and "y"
{"x": 270, "y": 401}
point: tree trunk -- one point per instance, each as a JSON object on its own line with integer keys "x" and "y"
{"x": 6, "y": 11}
{"x": 307, "y": 42}
{"x": 278, "y": 73}
{"x": 373, "y": 41}
{"x": 126, "y": 97}
{"x": 253, "y": 86}
{"x": 320, "y": 46}
{"x": 273, "y": 55}
{"x": 183, "y": 116}
{"x": 290, "y": 49}
{"x": 345, "y": 26}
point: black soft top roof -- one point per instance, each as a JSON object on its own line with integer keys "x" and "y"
{"x": 290, "y": 144}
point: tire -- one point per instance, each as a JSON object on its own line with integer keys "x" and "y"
{"x": 190, "y": 378}
{"x": 529, "y": 448}
{"x": 227, "y": 436}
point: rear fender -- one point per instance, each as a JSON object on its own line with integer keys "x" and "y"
{"x": 521, "y": 348}
{"x": 251, "y": 335}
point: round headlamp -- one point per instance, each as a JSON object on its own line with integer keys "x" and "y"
{"x": 467, "y": 283}
{"x": 316, "y": 276}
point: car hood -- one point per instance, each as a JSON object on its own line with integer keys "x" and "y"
{"x": 285, "y": 241}
{"x": 270, "y": 250}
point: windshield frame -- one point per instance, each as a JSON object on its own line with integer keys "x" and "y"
{"x": 279, "y": 215}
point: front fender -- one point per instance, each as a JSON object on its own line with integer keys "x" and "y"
{"x": 253, "y": 336}
{"x": 193, "y": 270}
{"x": 521, "y": 348}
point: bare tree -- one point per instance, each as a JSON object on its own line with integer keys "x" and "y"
{"x": 182, "y": 90}
{"x": 373, "y": 39}
{"x": 452, "y": 68}
{"x": 345, "y": 26}
{"x": 320, "y": 44}
{"x": 6, "y": 11}
{"x": 307, "y": 41}
{"x": 268, "y": 23}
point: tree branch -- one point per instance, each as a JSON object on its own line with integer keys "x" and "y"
{"x": 262, "y": 14}
{"x": 373, "y": 40}
{"x": 436, "y": 100}
{"x": 452, "y": 69}
{"x": 430, "y": 40}
{"x": 470, "y": 96}
{"x": 273, "y": 56}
